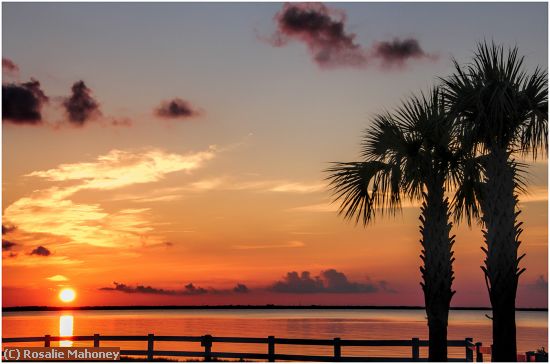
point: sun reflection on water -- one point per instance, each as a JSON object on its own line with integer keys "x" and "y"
{"x": 66, "y": 329}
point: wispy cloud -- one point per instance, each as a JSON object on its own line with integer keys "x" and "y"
{"x": 120, "y": 168}
{"x": 231, "y": 183}
{"x": 319, "y": 207}
{"x": 334, "y": 206}
{"x": 53, "y": 210}
{"x": 9, "y": 67}
{"x": 57, "y": 278}
{"x": 23, "y": 260}
{"x": 288, "y": 244}
{"x": 534, "y": 194}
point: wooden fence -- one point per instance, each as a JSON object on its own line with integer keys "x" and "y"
{"x": 271, "y": 342}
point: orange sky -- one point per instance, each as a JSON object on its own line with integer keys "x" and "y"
{"x": 234, "y": 193}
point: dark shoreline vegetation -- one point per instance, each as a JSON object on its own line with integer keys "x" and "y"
{"x": 242, "y": 307}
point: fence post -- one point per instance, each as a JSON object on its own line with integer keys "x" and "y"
{"x": 468, "y": 342}
{"x": 271, "y": 348}
{"x": 47, "y": 341}
{"x": 150, "y": 346}
{"x": 479, "y": 354}
{"x": 96, "y": 340}
{"x": 415, "y": 349}
{"x": 337, "y": 349}
{"x": 207, "y": 344}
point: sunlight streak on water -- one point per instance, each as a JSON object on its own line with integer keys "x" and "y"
{"x": 66, "y": 324}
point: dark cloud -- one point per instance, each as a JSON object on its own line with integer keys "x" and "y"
{"x": 191, "y": 289}
{"x": 121, "y": 287}
{"x": 397, "y": 52}
{"x": 385, "y": 286}
{"x": 124, "y": 122}
{"x": 176, "y": 109}
{"x": 241, "y": 288}
{"x": 302, "y": 283}
{"x": 7, "y": 245}
{"x": 9, "y": 66}
{"x": 188, "y": 290}
{"x": 330, "y": 281}
{"x": 42, "y": 251}
{"x": 81, "y": 105}
{"x": 7, "y": 229}
{"x": 164, "y": 244}
{"x": 322, "y": 30}
{"x": 22, "y": 103}
{"x": 540, "y": 283}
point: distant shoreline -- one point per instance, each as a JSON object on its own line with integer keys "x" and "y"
{"x": 238, "y": 307}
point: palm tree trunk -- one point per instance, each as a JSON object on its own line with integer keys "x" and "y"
{"x": 501, "y": 270}
{"x": 437, "y": 271}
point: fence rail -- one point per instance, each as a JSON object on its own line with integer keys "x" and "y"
{"x": 271, "y": 342}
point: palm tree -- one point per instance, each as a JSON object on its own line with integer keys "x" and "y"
{"x": 502, "y": 111}
{"x": 410, "y": 154}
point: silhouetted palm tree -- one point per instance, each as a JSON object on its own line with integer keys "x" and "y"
{"x": 501, "y": 110}
{"x": 410, "y": 154}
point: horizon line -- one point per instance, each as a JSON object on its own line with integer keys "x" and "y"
{"x": 237, "y": 307}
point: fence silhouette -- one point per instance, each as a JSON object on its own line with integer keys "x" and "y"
{"x": 271, "y": 342}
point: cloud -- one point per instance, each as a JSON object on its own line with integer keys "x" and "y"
{"x": 42, "y": 251}
{"x": 333, "y": 206}
{"x": 81, "y": 105}
{"x": 164, "y": 244}
{"x": 7, "y": 245}
{"x": 298, "y": 187}
{"x": 191, "y": 289}
{"x": 9, "y": 66}
{"x": 540, "y": 283}
{"x": 121, "y": 287}
{"x": 397, "y": 52}
{"x": 289, "y": 244}
{"x": 323, "y": 31}
{"x": 120, "y": 168}
{"x": 330, "y": 281}
{"x": 53, "y": 210}
{"x": 176, "y": 109}
{"x": 320, "y": 207}
{"x": 188, "y": 290}
{"x": 22, "y": 103}
{"x": 534, "y": 194}
{"x": 7, "y": 229}
{"x": 232, "y": 184}
{"x": 57, "y": 278}
{"x": 241, "y": 288}
{"x": 37, "y": 260}
{"x": 122, "y": 122}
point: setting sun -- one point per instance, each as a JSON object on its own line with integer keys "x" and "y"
{"x": 67, "y": 295}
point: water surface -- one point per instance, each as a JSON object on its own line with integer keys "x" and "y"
{"x": 532, "y": 327}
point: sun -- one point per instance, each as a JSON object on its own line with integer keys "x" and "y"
{"x": 67, "y": 295}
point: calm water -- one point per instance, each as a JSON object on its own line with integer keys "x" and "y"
{"x": 532, "y": 327}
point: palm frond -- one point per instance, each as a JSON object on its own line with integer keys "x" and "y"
{"x": 365, "y": 188}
